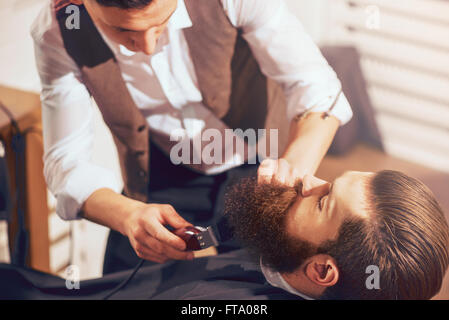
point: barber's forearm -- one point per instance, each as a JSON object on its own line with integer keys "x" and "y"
{"x": 309, "y": 140}
{"x": 109, "y": 209}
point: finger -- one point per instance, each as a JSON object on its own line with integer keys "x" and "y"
{"x": 293, "y": 177}
{"x": 172, "y": 253}
{"x": 310, "y": 183}
{"x": 146, "y": 253}
{"x": 158, "y": 231}
{"x": 266, "y": 171}
{"x": 148, "y": 241}
{"x": 154, "y": 258}
{"x": 164, "y": 251}
{"x": 172, "y": 218}
{"x": 306, "y": 185}
{"x": 282, "y": 171}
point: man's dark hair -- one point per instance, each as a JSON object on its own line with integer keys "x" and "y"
{"x": 125, "y": 4}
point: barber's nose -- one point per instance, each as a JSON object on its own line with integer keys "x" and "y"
{"x": 312, "y": 185}
{"x": 146, "y": 42}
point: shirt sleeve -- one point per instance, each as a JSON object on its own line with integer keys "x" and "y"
{"x": 288, "y": 55}
{"x": 68, "y": 126}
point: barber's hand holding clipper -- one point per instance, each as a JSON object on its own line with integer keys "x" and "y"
{"x": 144, "y": 224}
{"x": 150, "y": 238}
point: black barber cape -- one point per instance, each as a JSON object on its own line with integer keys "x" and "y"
{"x": 226, "y": 276}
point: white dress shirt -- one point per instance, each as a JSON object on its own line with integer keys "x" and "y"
{"x": 276, "y": 280}
{"x": 164, "y": 87}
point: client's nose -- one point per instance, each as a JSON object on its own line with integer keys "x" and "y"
{"x": 312, "y": 184}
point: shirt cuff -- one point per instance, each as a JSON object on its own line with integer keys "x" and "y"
{"x": 84, "y": 180}
{"x": 311, "y": 99}
{"x": 342, "y": 110}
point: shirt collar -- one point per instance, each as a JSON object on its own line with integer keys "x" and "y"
{"x": 180, "y": 18}
{"x": 276, "y": 280}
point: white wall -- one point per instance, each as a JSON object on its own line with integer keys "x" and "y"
{"x": 17, "y": 67}
{"x": 403, "y": 48}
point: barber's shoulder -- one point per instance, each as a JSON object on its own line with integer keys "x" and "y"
{"x": 52, "y": 59}
{"x": 45, "y": 26}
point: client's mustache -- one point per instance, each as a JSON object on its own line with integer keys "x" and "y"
{"x": 257, "y": 213}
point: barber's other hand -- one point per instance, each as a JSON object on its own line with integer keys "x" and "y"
{"x": 277, "y": 170}
{"x": 150, "y": 238}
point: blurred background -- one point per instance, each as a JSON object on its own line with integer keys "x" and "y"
{"x": 402, "y": 57}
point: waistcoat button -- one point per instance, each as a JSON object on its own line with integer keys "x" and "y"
{"x": 142, "y": 174}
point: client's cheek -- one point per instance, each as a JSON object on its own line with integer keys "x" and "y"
{"x": 303, "y": 219}
{"x": 293, "y": 222}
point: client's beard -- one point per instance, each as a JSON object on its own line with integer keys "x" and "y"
{"x": 257, "y": 213}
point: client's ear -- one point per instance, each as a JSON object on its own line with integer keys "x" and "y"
{"x": 322, "y": 270}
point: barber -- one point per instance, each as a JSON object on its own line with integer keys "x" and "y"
{"x": 157, "y": 66}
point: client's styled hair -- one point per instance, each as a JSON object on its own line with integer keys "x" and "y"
{"x": 407, "y": 238}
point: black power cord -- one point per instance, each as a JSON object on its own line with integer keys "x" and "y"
{"x": 223, "y": 231}
{"x": 126, "y": 281}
